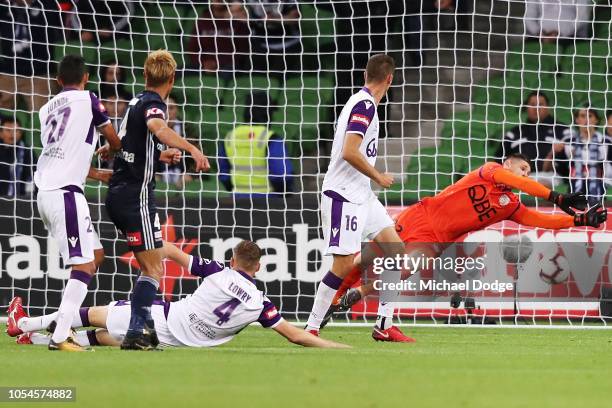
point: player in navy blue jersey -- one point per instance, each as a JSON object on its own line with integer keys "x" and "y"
{"x": 130, "y": 202}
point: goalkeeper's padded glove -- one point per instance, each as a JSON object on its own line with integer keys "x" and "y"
{"x": 596, "y": 216}
{"x": 568, "y": 201}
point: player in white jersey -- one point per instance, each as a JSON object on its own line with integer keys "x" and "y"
{"x": 350, "y": 211}
{"x": 226, "y": 301}
{"x": 70, "y": 122}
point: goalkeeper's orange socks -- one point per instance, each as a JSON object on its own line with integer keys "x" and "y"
{"x": 349, "y": 280}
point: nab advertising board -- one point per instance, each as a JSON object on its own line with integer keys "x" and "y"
{"x": 289, "y": 233}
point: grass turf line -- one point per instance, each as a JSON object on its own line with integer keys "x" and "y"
{"x": 450, "y": 367}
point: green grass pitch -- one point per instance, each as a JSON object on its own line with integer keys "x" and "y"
{"x": 447, "y": 367}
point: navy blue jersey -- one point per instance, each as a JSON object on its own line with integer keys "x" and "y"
{"x": 138, "y": 159}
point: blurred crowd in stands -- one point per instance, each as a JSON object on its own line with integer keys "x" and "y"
{"x": 264, "y": 37}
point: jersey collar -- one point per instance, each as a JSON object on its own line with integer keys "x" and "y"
{"x": 365, "y": 89}
{"x": 246, "y": 276}
{"x": 69, "y": 88}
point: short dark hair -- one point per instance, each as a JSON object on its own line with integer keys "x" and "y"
{"x": 537, "y": 94}
{"x": 71, "y": 69}
{"x": 520, "y": 156}
{"x": 378, "y": 67}
{"x": 587, "y": 106}
{"x": 106, "y": 65}
{"x": 10, "y": 119}
{"x": 247, "y": 253}
{"x": 608, "y": 113}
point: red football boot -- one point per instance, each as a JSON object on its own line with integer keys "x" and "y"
{"x": 313, "y": 332}
{"x": 393, "y": 334}
{"x": 15, "y": 313}
{"x": 25, "y": 338}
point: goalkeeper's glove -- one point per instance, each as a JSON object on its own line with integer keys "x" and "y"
{"x": 568, "y": 201}
{"x": 596, "y": 216}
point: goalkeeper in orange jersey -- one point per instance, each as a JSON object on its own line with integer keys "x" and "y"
{"x": 481, "y": 198}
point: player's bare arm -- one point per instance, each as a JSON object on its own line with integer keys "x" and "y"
{"x": 351, "y": 153}
{"x": 304, "y": 338}
{"x": 110, "y": 134}
{"x": 113, "y": 144}
{"x": 170, "y": 156}
{"x": 101, "y": 175}
{"x": 170, "y": 138}
{"x": 174, "y": 253}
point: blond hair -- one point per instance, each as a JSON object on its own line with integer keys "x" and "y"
{"x": 159, "y": 68}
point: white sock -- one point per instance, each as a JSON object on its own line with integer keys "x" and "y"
{"x": 325, "y": 294}
{"x": 30, "y": 324}
{"x": 73, "y": 297}
{"x": 82, "y": 338}
{"x": 40, "y": 339}
{"x": 384, "y": 320}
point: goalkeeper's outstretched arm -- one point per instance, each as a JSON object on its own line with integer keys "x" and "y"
{"x": 594, "y": 217}
{"x": 524, "y": 184}
{"x": 567, "y": 202}
{"x": 303, "y": 338}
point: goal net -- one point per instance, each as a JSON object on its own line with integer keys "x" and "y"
{"x": 469, "y": 77}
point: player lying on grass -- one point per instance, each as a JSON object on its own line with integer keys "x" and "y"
{"x": 482, "y": 198}
{"x": 226, "y": 301}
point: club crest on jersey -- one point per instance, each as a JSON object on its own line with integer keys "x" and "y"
{"x": 155, "y": 112}
{"x": 504, "y": 200}
{"x": 358, "y": 118}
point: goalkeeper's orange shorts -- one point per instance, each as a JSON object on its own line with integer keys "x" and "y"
{"x": 413, "y": 225}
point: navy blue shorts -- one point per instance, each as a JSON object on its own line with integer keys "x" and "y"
{"x": 134, "y": 213}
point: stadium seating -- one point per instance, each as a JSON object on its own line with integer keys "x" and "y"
{"x": 573, "y": 75}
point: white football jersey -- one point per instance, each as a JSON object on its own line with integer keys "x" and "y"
{"x": 358, "y": 116}
{"x": 225, "y": 303}
{"x": 69, "y": 138}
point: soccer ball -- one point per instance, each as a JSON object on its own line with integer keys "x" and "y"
{"x": 555, "y": 270}
{"x": 516, "y": 248}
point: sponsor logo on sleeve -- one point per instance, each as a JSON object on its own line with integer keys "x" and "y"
{"x": 154, "y": 112}
{"x": 358, "y": 118}
{"x": 271, "y": 313}
{"x": 134, "y": 238}
{"x": 368, "y": 104}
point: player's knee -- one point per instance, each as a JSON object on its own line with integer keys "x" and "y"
{"x": 342, "y": 265}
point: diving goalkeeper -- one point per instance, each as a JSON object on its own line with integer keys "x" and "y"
{"x": 481, "y": 198}
{"x": 225, "y": 302}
